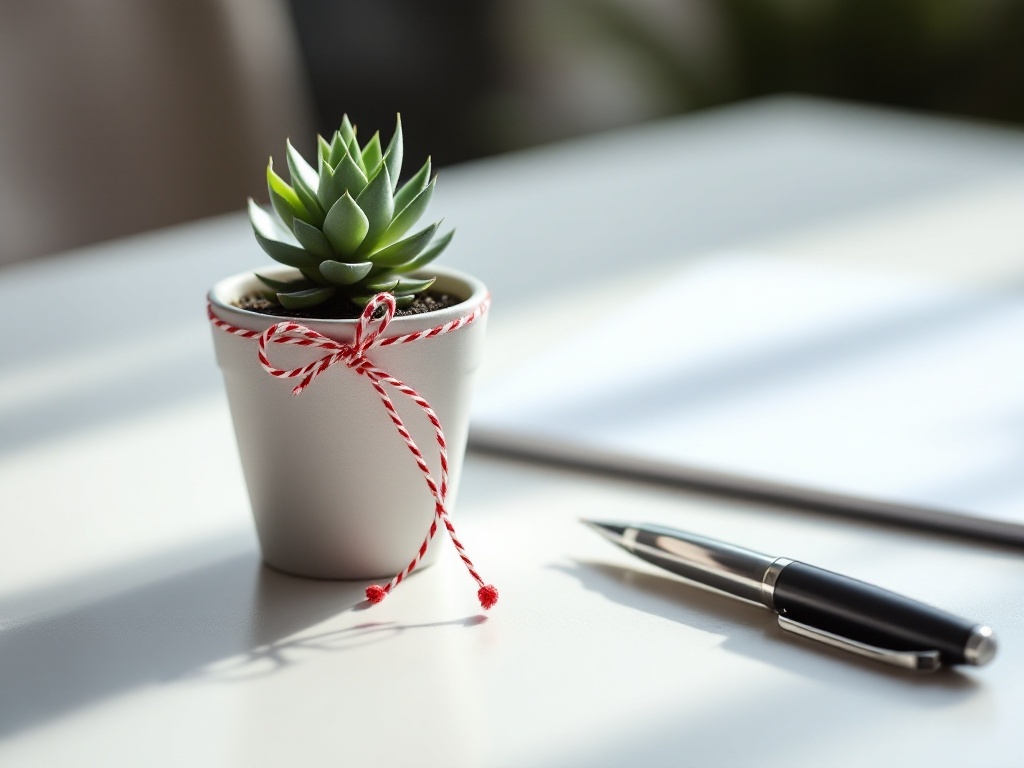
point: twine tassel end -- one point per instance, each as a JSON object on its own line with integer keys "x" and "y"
{"x": 487, "y": 595}
{"x": 375, "y": 593}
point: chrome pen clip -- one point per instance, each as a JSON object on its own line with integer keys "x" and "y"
{"x": 919, "y": 661}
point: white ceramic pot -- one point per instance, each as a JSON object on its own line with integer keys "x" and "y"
{"x": 335, "y": 492}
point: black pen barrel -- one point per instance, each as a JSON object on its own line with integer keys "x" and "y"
{"x": 869, "y": 614}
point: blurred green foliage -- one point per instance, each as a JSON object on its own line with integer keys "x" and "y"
{"x": 955, "y": 56}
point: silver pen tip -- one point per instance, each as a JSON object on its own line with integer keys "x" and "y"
{"x": 612, "y": 531}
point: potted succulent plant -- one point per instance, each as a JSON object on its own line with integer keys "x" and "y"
{"x": 338, "y": 482}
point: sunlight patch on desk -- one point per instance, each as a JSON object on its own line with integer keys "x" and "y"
{"x": 849, "y": 386}
{"x": 116, "y": 493}
{"x": 969, "y": 236}
{"x": 29, "y": 384}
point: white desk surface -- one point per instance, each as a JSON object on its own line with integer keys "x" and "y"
{"x": 137, "y": 626}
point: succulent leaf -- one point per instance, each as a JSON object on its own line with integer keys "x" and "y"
{"x": 266, "y": 226}
{"x": 382, "y": 285}
{"x": 372, "y": 154}
{"x": 270, "y": 240}
{"x": 341, "y": 273}
{"x": 313, "y": 240}
{"x": 338, "y": 150}
{"x": 283, "y": 285}
{"x": 408, "y": 286}
{"x": 357, "y": 156}
{"x": 284, "y": 199}
{"x": 404, "y": 250}
{"x": 405, "y": 220}
{"x": 393, "y": 156}
{"x": 314, "y": 277}
{"x": 428, "y": 255}
{"x": 326, "y": 186}
{"x": 404, "y": 301}
{"x": 347, "y": 130}
{"x": 305, "y": 298}
{"x": 290, "y": 255}
{"x": 311, "y": 204}
{"x": 345, "y": 226}
{"x": 378, "y": 205}
{"x": 301, "y": 172}
{"x": 412, "y": 187}
{"x": 347, "y": 177}
{"x": 350, "y": 177}
{"x": 305, "y": 182}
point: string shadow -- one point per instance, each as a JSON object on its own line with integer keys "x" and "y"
{"x": 271, "y": 658}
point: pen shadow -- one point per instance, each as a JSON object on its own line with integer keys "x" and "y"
{"x": 212, "y": 611}
{"x": 752, "y": 631}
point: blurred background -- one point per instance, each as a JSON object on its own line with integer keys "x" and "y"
{"x": 118, "y": 116}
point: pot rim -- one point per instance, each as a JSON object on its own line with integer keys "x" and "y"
{"x": 224, "y": 291}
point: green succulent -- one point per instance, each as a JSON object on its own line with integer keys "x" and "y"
{"x": 342, "y": 225}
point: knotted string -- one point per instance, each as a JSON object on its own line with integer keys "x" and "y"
{"x": 368, "y": 335}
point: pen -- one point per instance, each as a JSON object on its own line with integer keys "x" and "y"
{"x": 812, "y": 602}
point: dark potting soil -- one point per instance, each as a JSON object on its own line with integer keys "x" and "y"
{"x": 341, "y": 308}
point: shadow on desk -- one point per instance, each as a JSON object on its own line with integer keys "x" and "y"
{"x": 754, "y": 632}
{"x": 216, "y": 613}
{"x": 271, "y": 657}
{"x": 85, "y": 403}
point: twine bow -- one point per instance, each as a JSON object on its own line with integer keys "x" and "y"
{"x": 368, "y": 335}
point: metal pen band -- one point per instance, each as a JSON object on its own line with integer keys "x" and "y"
{"x": 768, "y": 581}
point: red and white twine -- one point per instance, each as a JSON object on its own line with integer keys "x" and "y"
{"x": 368, "y": 335}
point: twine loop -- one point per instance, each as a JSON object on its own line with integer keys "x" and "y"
{"x": 368, "y": 331}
